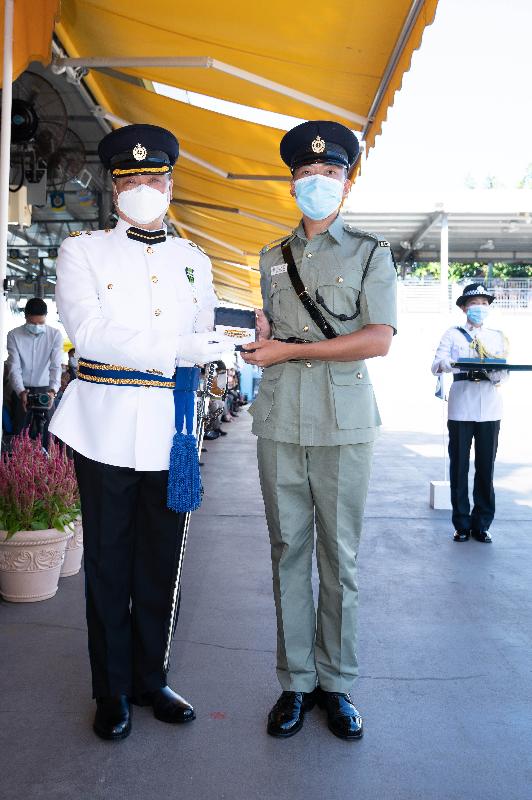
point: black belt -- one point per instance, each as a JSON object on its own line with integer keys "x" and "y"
{"x": 474, "y": 375}
{"x": 292, "y": 340}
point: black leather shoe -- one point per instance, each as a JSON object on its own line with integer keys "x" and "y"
{"x": 461, "y": 535}
{"x": 481, "y": 536}
{"x": 113, "y": 717}
{"x": 286, "y": 717}
{"x": 211, "y": 435}
{"x": 343, "y": 718}
{"x": 167, "y": 705}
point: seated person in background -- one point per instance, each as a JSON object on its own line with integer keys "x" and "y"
{"x": 475, "y": 409}
{"x": 213, "y": 426}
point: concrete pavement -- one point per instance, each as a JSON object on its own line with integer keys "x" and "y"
{"x": 445, "y": 655}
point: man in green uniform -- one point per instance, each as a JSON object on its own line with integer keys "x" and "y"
{"x": 329, "y": 303}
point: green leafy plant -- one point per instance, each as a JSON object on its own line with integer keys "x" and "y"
{"x": 38, "y": 489}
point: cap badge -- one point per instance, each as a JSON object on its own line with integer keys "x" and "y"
{"x": 139, "y": 152}
{"x": 318, "y": 145}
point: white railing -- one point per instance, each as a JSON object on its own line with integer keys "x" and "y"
{"x": 425, "y": 295}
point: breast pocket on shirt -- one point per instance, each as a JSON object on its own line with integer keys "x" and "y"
{"x": 282, "y": 297}
{"x": 263, "y": 403}
{"x": 354, "y": 400}
{"x": 338, "y": 293}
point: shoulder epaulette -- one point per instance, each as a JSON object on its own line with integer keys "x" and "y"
{"x": 366, "y": 235}
{"x": 271, "y": 245}
{"x": 362, "y": 234}
{"x": 75, "y": 233}
{"x": 197, "y": 246}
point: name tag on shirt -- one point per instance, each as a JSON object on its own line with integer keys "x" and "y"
{"x": 279, "y": 269}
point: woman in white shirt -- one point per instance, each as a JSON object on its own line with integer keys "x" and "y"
{"x": 474, "y": 412}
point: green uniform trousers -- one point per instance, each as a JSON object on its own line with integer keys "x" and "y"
{"x": 326, "y": 485}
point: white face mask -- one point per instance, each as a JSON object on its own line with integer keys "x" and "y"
{"x": 318, "y": 196}
{"x": 143, "y": 204}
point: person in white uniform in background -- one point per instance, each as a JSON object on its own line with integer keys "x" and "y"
{"x": 474, "y": 412}
{"x": 136, "y": 304}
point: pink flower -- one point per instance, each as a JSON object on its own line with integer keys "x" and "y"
{"x": 36, "y": 487}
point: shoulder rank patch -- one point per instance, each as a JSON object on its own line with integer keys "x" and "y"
{"x": 383, "y": 243}
{"x": 75, "y": 233}
{"x": 189, "y": 272}
{"x": 271, "y": 245}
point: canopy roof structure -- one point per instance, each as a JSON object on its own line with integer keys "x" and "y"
{"x": 134, "y": 61}
{"x": 341, "y": 61}
{"x": 483, "y": 226}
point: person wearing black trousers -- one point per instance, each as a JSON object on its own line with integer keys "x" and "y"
{"x": 474, "y": 413}
{"x": 138, "y": 305}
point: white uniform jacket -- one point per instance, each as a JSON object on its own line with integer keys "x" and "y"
{"x": 125, "y": 303}
{"x": 476, "y": 401}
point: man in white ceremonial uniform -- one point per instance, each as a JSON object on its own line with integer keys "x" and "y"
{"x": 474, "y": 412}
{"x": 137, "y": 304}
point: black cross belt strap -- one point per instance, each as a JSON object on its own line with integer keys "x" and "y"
{"x": 309, "y": 304}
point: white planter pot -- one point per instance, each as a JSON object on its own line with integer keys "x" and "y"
{"x": 73, "y": 552}
{"x": 30, "y": 563}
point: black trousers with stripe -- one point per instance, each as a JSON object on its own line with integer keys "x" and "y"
{"x": 131, "y": 543}
{"x": 486, "y": 436}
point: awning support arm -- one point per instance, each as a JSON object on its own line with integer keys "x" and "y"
{"x": 210, "y": 238}
{"x": 230, "y": 210}
{"x": 206, "y": 62}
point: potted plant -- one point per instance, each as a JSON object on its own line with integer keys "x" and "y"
{"x": 73, "y": 551}
{"x": 39, "y": 502}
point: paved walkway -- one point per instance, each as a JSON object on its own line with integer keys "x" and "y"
{"x": 445, "y": 652}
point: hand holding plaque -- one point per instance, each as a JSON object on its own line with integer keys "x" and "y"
{"x": 235, "y": 326}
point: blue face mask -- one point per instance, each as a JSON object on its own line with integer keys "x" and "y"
{"x": 477, "y": 314}
{"x": 35, "y": 329}
{"x": 318, "y": 196}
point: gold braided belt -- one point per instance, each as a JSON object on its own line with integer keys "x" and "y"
{"x": 114, "y": 375}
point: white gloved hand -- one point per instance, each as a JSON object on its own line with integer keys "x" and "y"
{"x": 445, "y": 366}
{"x": 496, "y": 375}
{"x": 200, "y": 348}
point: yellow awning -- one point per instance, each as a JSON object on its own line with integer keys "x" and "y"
{"x": 342, "y": 60}
{"x": 33, "y": 27}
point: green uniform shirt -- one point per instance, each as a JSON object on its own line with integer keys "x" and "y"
{"x": 324, "y": 402}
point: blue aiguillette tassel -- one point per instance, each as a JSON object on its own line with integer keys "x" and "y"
{"x": 184, "y": 479}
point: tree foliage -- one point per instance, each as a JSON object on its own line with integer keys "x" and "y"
{"x": 476, "y": 269}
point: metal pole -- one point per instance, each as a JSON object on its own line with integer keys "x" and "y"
{"x": 444, "y": 263}
{"x": 5, "y": 144}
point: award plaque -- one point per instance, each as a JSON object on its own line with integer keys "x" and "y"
{"x": 235, "y": 325}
